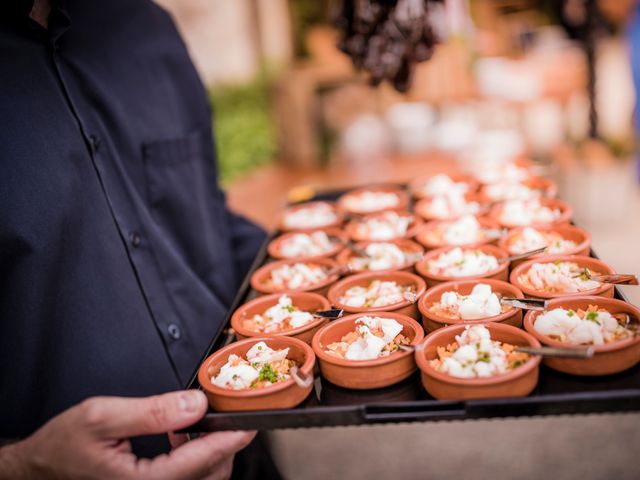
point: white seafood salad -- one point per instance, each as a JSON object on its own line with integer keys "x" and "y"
{"x": 297, "y": 275}
{"x": 502, "y": 191}
{"x": 452, "y": 205}
{"x": 313, "y": 215}
{"x": 459, "y": 262}
{"x": 474, "y": 354}
{"x": 379, "y": 256}
{"x": 386, "y": 226}
{"x": 280, "y": 317}
{"x": 531, "y": 239}
{"x": 306, "y": 245}
{"x": 373, "y": 337}
{"x": 370, "y": 201}
{"x": 463, "y": 231}
{"x": 480, "y": 303}
{"x": 594, "y": 326}
{"x": 378, "y": 293}
{"x": 558, "y": 277}
{"x": 262, "y": 367}
{"x": 527, "y": 212}
{"x": 442, "y": 184}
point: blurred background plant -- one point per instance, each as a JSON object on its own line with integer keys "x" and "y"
{"x": 243, "y": 128}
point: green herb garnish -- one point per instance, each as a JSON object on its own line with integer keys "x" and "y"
{"x": 484, "y": 357}
{"x": 268, "y": 374}
{"x": 290, "y": 308}
{"x": 516, "y": 364}
{"x": 571, "y": 313}
{"x": 592, "y": 317}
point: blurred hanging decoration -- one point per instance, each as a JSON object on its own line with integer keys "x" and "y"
{"x": 386, "y": 37}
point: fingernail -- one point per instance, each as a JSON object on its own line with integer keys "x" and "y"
{"x": 190, "y": 401}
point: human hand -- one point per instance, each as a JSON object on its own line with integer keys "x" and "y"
{"x": 90, "y": 440}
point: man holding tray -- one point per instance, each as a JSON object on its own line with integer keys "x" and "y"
{"x": 118, "y": 257}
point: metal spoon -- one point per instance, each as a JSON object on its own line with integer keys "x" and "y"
{"x": 330, "y": 314}
{"x": 614, "y": 279}
{"x": 520, "y": 256}
{"x": 301, "y": 380}
{"x": 579, "y": 352}
{"x": 525, "y": 303}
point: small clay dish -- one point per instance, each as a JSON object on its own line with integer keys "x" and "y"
{"x": 432, "y": 321}
{"x": 430, "y": 234}
{"x": 581, "y": 237}
{"x": 353, "y": 228}
{"x": 337, "y": 236}
{"x": 518, "y": 382}
{"x": 259, "y": 279}
{"x": 547, "y": 188}
{"x": 365, "y": 374}
{"x": 285, "y": 394}
{"x": 422, "y": 207}
{"x": 566, "y": 212}
{"x": 433, "y": 279}
{"x": 304, "y": 301}
{"x": 288, "y": 226}
{"x": 412, "y": 250}
{"x": 607, "y": 359}
{"x": 345, "y": 199}
{"x": 593, "y": 264}
{"x": 406, "y": 307}
{"x": 416, "y": 186}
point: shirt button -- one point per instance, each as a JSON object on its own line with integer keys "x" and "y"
{"x": 135, "y": 239}
{"x": 174, "y": 331}
{"x": 95, "y": 142}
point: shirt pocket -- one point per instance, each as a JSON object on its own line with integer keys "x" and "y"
{"x": 186, "y": 203}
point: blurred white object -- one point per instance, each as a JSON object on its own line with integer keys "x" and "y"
{"x": 543, "y": 125}
{"x": 491, "y": 150}
{"x": 615, "y": 97}
{"x": 411, "y": 125}
{"x": 508, "y": 79}
{"x": 366, "y": 136}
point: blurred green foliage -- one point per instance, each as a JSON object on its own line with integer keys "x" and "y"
{"x": 244, "y": 133}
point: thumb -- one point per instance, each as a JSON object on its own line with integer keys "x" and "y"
{"x": 117, "y": 417}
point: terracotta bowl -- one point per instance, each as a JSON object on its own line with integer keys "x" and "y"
{"x": 516, "y": 383}
{"x": 286, "y": 394}
{"x": 363, "y": 279}
{"x": 305, "y": 301}
{"x": 581, "y": 237}
{"x": 404, "y": 244}
{"x": 425, "y": 235}
{"x": 403, "y": 199}
{"x": 547, "y": 187}
{"x": 351, "y": 227}
{"x": 566, "y": 212}
{"x": 422, "y": 206}
{"x": 263, "y": 273}
{"x": 365, "y": 374}
{"x": 603, "y": 290}
{"x": 500, "y": 273}
{"x": 290, "y": 228}
{"x": 415, "y": 186}
{"x": 432, "y": 321}
{"x": 609, "y": 358}
{"x": 274, "y": 247}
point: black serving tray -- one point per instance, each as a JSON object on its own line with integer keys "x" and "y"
{"x": 329, "y": 405}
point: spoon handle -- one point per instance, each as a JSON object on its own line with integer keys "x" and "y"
{"x": 579, "y": 352}
{"x": 520, "y": 256}
{"x": 333, "y": 313}
{"x": 616, "y": 278}
{"x": 526, "y": 303}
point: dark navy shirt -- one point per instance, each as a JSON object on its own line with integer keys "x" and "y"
{"x": 118, "y": 257}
